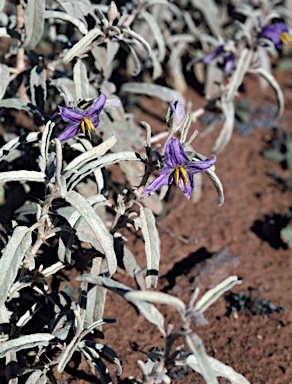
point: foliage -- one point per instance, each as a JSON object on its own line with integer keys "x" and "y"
{"x": 74, "y": 62}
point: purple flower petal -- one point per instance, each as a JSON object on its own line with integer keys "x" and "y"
{"x": 72, "y": 130}
{"x": 96, "y": 106}
{"x": 217, "y": 52}
{"x": 273, "y": 32}
{"x": 197, "y": 166}
{"x": 165, "y": 178}
{"x": 229, "y": 63}
{"x": 71, "y": 115}
{"x": 187, "y": 189}
{"x": 175, "y": 154}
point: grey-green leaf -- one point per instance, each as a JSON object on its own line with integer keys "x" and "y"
{"x": 81, "y": 80}
{"x": 5, "y": 177}
{"x": 218, "y": 368}
{"x": 11, "y": 259}
{"x": 34, "y": 18}
{"x": 152, "y": 246}
{"x": 196, "y": 346}
{"x": 4, "y": 79}
{"x": 97, "y": 226}
{"x": 164, "y": 93}
{"x": 25, "y": 342}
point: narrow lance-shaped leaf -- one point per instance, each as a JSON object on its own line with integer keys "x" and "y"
{"x": 164, "y": 93}
{"x": 94, "y": 153}
{"x": 34, "y": 17}
{"x": 97, "y": 226}
{"x": 5, "y": 177}
{"x": 214, "y": 293}
{"x": 4, "y": 79}
{"x": 146, "y": 309}
{"x": 152, "y": 246}
{"x": 37, "y": 81}
{"x": 82, "y": 45}
{"x": 81, "y": 80}
{"x": 196, "y": 346}
{"x": 218, "y": 368}
{"x": 275, "y": 85}
{"x": 25, "y": 342}
{"x": 11, "y": 259}
{"x": 71, "y": 19}
{"x": 227, "y": 129}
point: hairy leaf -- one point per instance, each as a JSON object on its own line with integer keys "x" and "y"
{"x": 11, "y": 259}
{"x": 34, "y": 17}
{"x": 4, "y": 79}
{"x": 25, "y": 342}
{"x": 152, "y": 246}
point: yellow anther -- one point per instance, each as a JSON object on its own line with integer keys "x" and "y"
{"x": 176, "y": 175}
{"x": 286, "y": 38}
{"x": 87, "y": 126}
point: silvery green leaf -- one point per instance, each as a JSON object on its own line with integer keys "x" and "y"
{"x": 24, "y": 319}
{"x": 214, "y": 293}
{"x": 152, "y": 246}
{"x": 14, "y": 143}
{"x": 14, "y": 103}
{"x": 37, "y": 377}
{"x": 97, "y": 226}
{"x": 64, "y": 251}
{"x": 215, "y": 180}
{"x": 4, "y": 317}
{"x": 196, "y": 346}
{"x": 96, "y": 295}
{"x": 275, "y": 85}
{"x": 65, "y": 86}
{"x": 139, "y": 38}
{"x": 164, "y": 93}
{"x": 45, "y": 143}
{"x": 146, "y": 309}
{"x": 70, "y": 18}
{"x": 157, "y": 297}
{"x": 4, "y": 79}
{"x": 238, "y": 75}
{"x": 80, "y": 79}
{"x": 34, "y": 18}
{"x": 133, "y": 63}
{"x": 105, "y": 160}
{"x": 218, "y": 368}
{"x": 211, "y": 14}
{"x": 68, "y": 352}
{"x": 53, "y": 269}
{"x": 6, "y": 177}
{"x": 2, "y": 2}
{"x": 11, "y": 259}
{"x": 82, "y": 45}
{"x": 227, "y": 129}
{"x": 25, "y": 342}
{"x": 38, "y": 79}
{"x": 214, "y": 76}
{"x": 88, "y": 156}
{"x": 156, "y": 32}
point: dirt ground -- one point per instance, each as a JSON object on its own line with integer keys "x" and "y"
{"x": 257, "y": 346}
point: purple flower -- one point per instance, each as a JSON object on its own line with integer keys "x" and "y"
{"x": 229, "y": 60}
{"x": 81, "y": 121}
{"x": 179, "y": 169}
{"x": 278, "y": 33}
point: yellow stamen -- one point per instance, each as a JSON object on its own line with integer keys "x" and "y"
{"x": 286, "y": 38}
{"x": 87, "y": 126}
{"x": 176, "y": 175}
